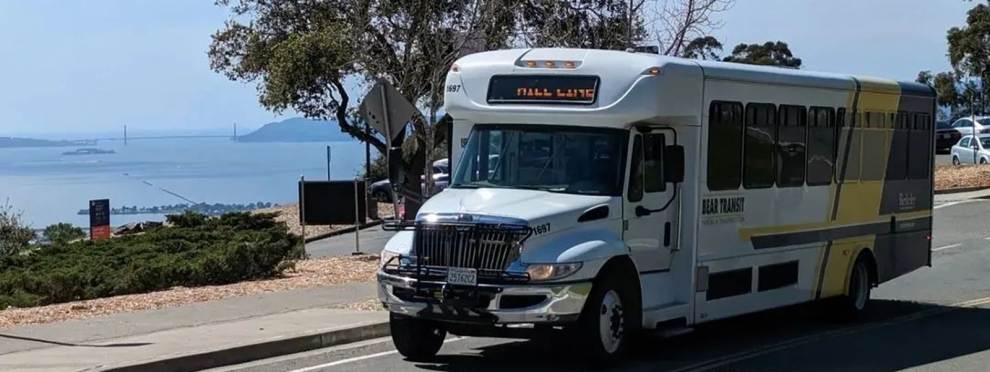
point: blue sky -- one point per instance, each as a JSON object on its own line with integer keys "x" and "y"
{"x": 75, "y": 66}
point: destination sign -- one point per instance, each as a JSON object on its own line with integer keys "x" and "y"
{"x": 581, "y": 90}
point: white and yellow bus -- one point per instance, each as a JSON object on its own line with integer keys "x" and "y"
{"x": 603, "y": 192}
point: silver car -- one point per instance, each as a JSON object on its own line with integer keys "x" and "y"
{"x": 972, "y": 151}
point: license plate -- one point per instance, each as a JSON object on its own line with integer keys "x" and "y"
{"x": 462, "y": 276}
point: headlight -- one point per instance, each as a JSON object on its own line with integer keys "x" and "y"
{"x": 543, "y": 272}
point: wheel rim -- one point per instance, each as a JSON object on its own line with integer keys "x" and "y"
{"x": 862, "y": 287}
{"x": 955, "y": 161}
{"x": 611, "y": 321}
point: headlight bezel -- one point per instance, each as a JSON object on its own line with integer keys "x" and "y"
{"x": 544, "y": 272}
{"x": 396, "y": 258}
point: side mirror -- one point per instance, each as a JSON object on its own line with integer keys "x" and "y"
{"x": 673, "y": 170}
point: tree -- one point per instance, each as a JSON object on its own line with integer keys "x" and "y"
{"x": 15, "y": 236}
{"x": 62, "y": 233}
{"x": 969, "y": 54}
{"x": 304, "y": 55}
{"x": 602, "y": 24}
{"x": 677, "y": 24}
{"x": 766, "y": 54}
{"x": 707, "y": 48}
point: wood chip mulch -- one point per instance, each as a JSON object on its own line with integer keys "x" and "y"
{"x": 306, "y": 274}
{"x": 368, "y": 305}
{"x": 949, "y": 177}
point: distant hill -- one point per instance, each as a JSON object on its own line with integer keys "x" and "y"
{"x": 297, "y": 130}
{"x": 7, "y": 142}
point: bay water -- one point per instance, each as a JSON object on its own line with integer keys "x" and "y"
{"x": 48, "y": 187}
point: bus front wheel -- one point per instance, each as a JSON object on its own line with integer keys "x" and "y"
{"x": 418, "y": 340}
{"x": 609, "y": 316}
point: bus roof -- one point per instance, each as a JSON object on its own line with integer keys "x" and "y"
{"x": 628, "y": 61}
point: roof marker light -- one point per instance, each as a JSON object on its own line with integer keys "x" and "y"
{"x": 549, "y": 64}
{"x": 569, "y": 64}
{"x": 530, "y": 63}
{"x": 455, "y": 68}
{"x": 654, "y": 71}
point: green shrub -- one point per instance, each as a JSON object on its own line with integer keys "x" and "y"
{"x": 15, "y": 236}
{"x": 62, "y": 233}
{"x": 197, "y": 251}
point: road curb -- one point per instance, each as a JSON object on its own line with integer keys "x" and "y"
{"x": 960, "y": 190}
{"x": 262, "y": 350}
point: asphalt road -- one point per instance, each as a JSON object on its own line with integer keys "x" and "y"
{"x": 920, "y": 321}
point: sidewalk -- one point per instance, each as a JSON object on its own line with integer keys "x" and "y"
{"x": 198, "y": 335}
{"x": 373, "y": 240}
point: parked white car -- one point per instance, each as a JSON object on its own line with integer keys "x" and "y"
{"x": 965, "y": 125}
{"x": 963, "y": 152}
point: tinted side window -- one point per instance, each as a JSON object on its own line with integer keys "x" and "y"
{"x": 964, "y": 142}
{"x": 821, "y": 146}
{"x": 898, "y": 161}
{"x": 760, "y": 140}
{"x": 725, "y": 145}
{"x": 653, "y": 148}
{"x": 791, "y": 147}
{"x": 919, "y": 150}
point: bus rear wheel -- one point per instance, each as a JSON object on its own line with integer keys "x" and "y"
{"x": 418, "y": 340}
{"x": 851, "y": 306}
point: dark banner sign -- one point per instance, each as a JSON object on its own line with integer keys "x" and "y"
{"x": 580, "y": 90}
{"x": 99, "y": 219}
{"x": 332, "y": 203}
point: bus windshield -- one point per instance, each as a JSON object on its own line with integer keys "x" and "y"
{"x": 562, "y": 159}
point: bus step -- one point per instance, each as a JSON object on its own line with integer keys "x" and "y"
{"x": 673, "y": 327}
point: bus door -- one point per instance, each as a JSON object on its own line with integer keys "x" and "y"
{"x": 651, "y": 206}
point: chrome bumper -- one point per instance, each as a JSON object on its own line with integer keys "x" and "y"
{"x": 563, "y": 302}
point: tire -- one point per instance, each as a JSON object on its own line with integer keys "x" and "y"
{"x": 983, "y": 161}
{"x": 381, "y": 196}
{"x": 852, "y": 305}
{"x": 607, "y": 321}
{"x": 418, "y": 340}
{"x": 955, "y": 161}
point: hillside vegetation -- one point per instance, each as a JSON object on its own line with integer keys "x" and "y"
{"x": 196, "y": 251}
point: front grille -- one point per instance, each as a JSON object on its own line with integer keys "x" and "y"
{"x": 482, "y": 247}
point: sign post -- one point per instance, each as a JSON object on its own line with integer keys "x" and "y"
{"x": 357, "y": 220}
{"x": 302, "y": 211}
{"x": 99, "y": 219}
{"x": 387, "y": 111}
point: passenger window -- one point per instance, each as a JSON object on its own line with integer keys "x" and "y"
{"x": 636, "y": 170}
{"x": 653, "y": 148}
{"x": 761, "y": 137}
{"x": 898, "y": 161}
{"x": 852, "y": 135}
{"x": 874, "y": 143}
{"x": 964, "y": 143}
{"x": 791, "y": 150}
{"x": 919, "y": 149}
{"x": 725, "y": 145}
{"x": 821, "y": 146}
